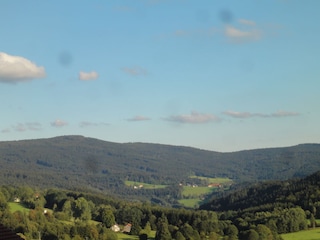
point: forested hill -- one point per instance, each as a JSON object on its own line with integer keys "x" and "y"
{"x": 304, "y": 193}
{"x": 76, "y": 162}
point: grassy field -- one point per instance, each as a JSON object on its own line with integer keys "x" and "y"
{"x": 189, "y": 191}
{"x": 192, "y": 195}
{"x": 145, "y": 185}
{"x": 214, "y": 180}
{"x": 190, "y": 202}
{"x": 313, "y": 234}
{"x": 17, "y": 207}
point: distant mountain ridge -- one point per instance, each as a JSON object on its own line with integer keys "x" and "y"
{"x": 77, "y": 162}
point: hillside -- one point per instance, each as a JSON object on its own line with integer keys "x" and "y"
{"x": 80, "y": 163}
{"x": 270, "y": 195}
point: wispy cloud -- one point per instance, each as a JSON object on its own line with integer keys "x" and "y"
{"x": 14, "y": 69}
{"x": 138, "y": 118}
{"x": 281, "y": 113}
{"x": 238, "y": 114}
{"x": 6, "y": 130}
{"x": 135, "y": 71}
{"x": 194, "y": 117}
{"x": 240, "y": 36}
{"x": 84, "y": 124}
{"x": 86, "y": 76}
{"x": 247, "y": 31}
{"x": 284, "y": 114}
{"x": 22, "y": 127}
{"x": 58, "y": 123}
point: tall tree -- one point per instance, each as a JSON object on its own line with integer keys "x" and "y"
{"x": 81, "y": 209}
{"x": 163, "y": 232}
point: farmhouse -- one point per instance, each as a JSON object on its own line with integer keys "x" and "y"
{"x": 217, "y": 185}
{"x": 115, "y": 228}
{"x": 127, "y": 228}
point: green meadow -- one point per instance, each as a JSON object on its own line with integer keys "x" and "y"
{"x": 312, "y": 234}
{"x": 14, "y": 207}
{"x": 192, "y": 195}
{"x": 189, "y": 191}
{"x": 213, "y": 180}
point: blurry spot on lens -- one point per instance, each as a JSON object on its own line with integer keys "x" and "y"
{"x": 226, "y": 16}
{"x": 65, "y": 59}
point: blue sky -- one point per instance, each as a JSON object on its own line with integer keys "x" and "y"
{"x": 216, "y": 75}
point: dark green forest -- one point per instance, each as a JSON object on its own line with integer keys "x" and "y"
{"x": 262, "y": 211}
{"x": 90, "y": 165}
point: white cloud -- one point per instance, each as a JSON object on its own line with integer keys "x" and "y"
{"x": 59, "y": 123}
{"x": 88, "y": 75}
{"x": 238, "y": 114}
{"x": 194, "y": 117}
{"x": 262, "y": 115}
{"x": 135, "y": 71}
{"x": 246, "y": 32}
{"x": 15, "y": 69}
{"x": 138, "y": 118}
{"x": 240, "y": 36}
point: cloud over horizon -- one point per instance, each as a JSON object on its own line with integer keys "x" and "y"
{"x": 22, "y": 127}
{"x": 59, "y": 123}
{"x": 243, "y": 115}
{"x": 14, "y": 69}
{"x": 86, "y": 76}
{"x": 138, "y": 118}
{"x": 193, "y": 118}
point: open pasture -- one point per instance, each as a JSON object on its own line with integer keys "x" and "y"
{"x": 312, "y": 234}
{"x": 213, "y": 180}
{"x": 189, "y": 191}
{"x": 14, "y": 207}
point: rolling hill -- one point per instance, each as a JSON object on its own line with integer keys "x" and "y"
{"x": 77, "y": 162}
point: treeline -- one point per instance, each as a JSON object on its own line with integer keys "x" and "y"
{"x": 58, "y": 214}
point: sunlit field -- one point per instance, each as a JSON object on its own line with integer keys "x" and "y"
{"x": 313, "y": 234}
{"x": 17, "y": 207}
{"x": 214, "y": 180}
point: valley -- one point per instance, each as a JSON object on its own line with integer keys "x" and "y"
{"x": 93, "y": 165}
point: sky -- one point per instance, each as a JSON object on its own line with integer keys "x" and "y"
{"x": 216, "y": 75}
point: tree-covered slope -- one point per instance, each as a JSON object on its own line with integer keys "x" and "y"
{"x": 267, "y": 196}
{"x": 76, "y": 162}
